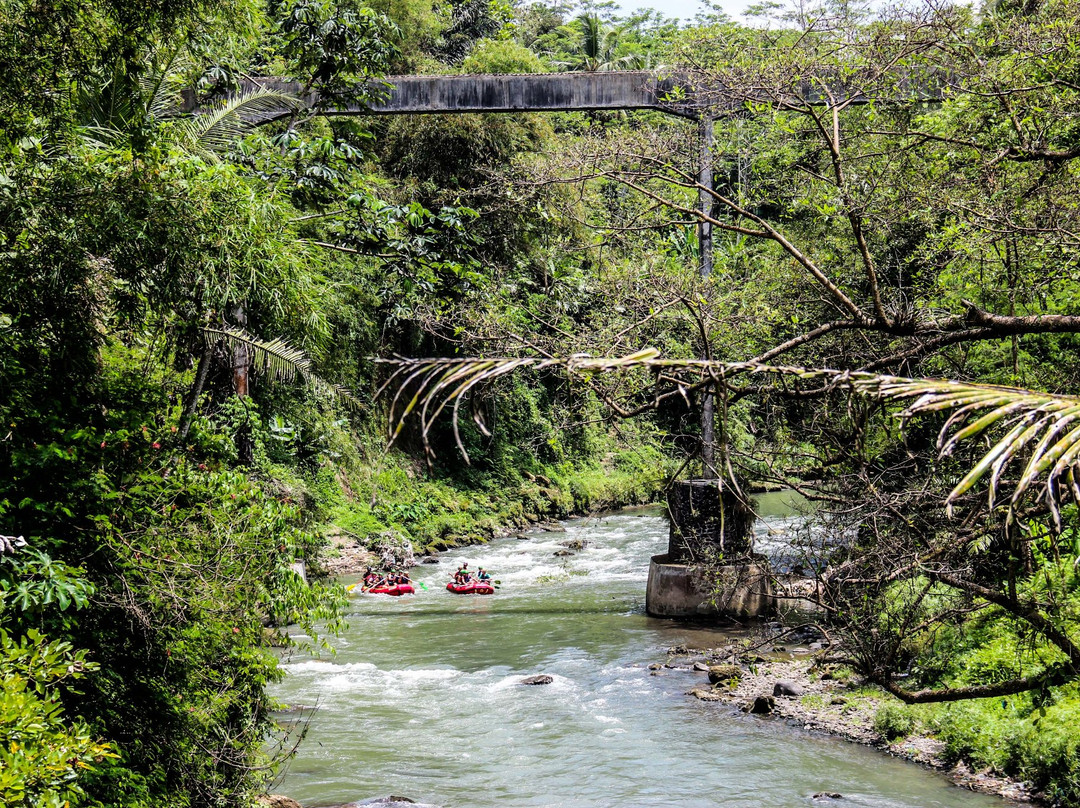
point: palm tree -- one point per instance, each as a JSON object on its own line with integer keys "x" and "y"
{"x": 598, "y": 45}
{"x": 121, "y": 108}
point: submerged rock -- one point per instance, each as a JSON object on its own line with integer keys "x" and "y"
{"x": 391, "y": 801}
{"x": 562, "y": 553}
{"x": 705, "y": 695}
{"x": 575, "y": 544}
{"x": 542, "y": 679}
{"x": 828, "y": 795}
{"x": 431, "y": 559}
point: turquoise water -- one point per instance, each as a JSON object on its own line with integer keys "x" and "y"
{"x": 424, "y": 699}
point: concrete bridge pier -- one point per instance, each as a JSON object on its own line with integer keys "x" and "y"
{"x": 709, "y": 570}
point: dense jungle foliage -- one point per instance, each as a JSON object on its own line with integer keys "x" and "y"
{"x": 191, "y": 305}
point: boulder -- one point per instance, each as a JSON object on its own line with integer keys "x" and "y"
{"x": 575, "y": 544}
{"x": 430, "y": 560}
{"x": 786, "y": 688}
{"x": 724, "y": 673}
{"x": 542, "y": 679}
{"x": 704, "y": 694}
{"x": 655, "y": 666}
{"x": 277, "y": 801}
{"x": 762, "y": 705}
{"x": 828, "y": 795}
{"x": 562, "y": 553}
{"x": 553, "y": 528}
{"x": 700, "y": 666}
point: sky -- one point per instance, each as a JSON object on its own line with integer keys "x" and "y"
{"x": 685, "y": 9}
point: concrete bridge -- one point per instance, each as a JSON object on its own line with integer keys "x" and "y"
{"x": 555, "y": 92}
{"x": 531, "y": 92}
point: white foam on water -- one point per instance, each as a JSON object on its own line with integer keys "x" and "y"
{"x": 313, "y": 666}
{"x": 424, "y": 674}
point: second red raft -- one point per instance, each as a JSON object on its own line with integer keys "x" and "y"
{"x": 471, "y": 588}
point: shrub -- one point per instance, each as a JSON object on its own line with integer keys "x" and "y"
{"x": 893, "y": 721}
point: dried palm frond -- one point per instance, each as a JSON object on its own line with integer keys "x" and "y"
{"x": 1047, "y": 422}
{"x": 1043, "y": 421}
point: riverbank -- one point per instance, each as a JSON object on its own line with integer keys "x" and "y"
{"x": 399, "y": 510}
{"x": 795, "y": 687}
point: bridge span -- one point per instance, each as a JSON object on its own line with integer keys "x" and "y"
{"x": 526, "y": 92}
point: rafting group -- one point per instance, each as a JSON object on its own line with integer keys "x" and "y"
{"x": 465, "y": 584}
{"x": 391, "y": 583}
{"x": 398, "y": 582}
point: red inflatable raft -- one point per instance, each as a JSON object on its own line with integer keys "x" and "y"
{"x": 396, "y": 589}
{"x": 471, "y": 588}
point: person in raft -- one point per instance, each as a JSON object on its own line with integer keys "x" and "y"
{"x": 463, "y": 576}
{"x": 371, "y": 579}
{"x": 482, "y": 576}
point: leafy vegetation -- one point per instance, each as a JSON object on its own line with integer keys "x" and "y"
{"x": 190, "y": 306}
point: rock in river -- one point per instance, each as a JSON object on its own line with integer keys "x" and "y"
{"x": 562, "y": 553}
{"x": 542, "y": 679}
{"x": 392, "y": 801}
{"x": 705, "y": 695}
{"x": 575, "y": 544}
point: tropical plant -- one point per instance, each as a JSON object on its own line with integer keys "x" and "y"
{"x": 598, "y": 45}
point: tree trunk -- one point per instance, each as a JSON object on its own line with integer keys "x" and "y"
{"x": 241, "y": 375}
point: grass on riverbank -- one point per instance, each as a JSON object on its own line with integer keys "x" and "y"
{"x": 369, "y": 495}
{"x": 1030, "y": 737}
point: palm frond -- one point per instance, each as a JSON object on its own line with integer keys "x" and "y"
{"x": 275, "y": 357}
{"x": 161, "y": 86}
{"x": 1047, "y": 420}
{"x": 1042, "y": 430}
{"x": 216, "y": 129}
{"x": 281, "y": 360}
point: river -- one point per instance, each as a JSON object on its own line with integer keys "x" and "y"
{"x": 424, "y": 699}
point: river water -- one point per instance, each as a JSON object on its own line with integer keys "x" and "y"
{"x": 424, "y": 699}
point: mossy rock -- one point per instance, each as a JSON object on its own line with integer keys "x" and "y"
{"x": 724, "y": 673}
